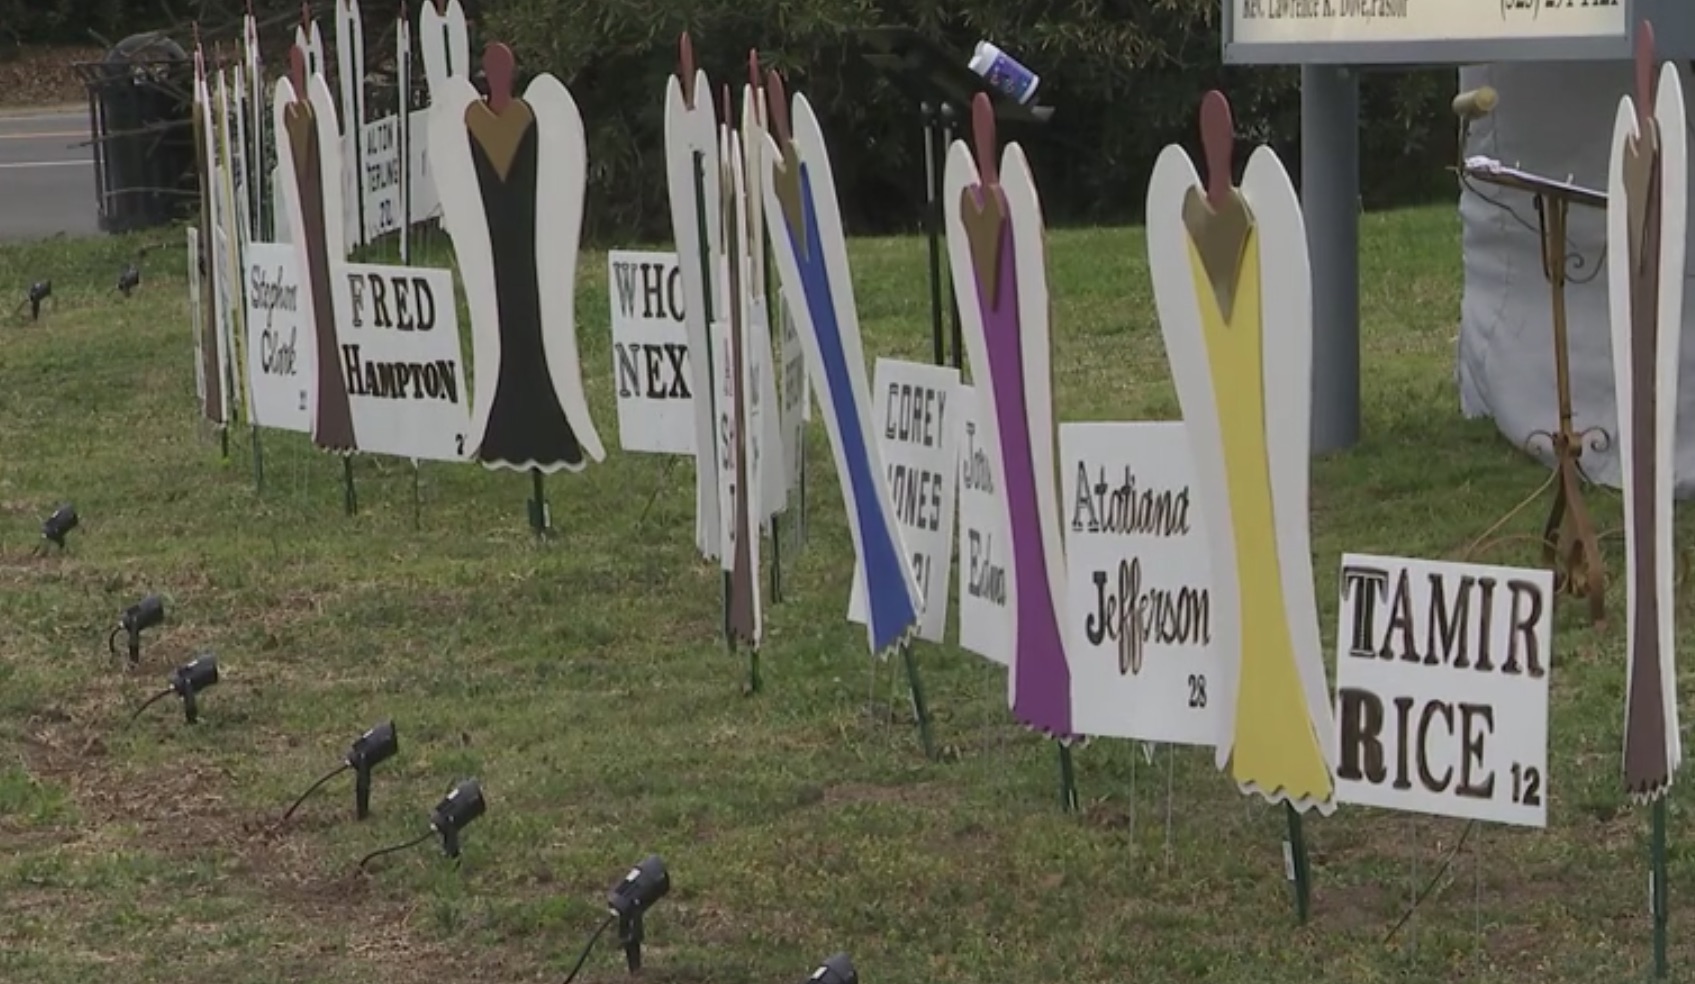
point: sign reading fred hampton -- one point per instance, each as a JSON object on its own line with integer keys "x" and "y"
{"x": 1442, "y": 688}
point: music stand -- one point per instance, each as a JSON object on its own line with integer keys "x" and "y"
{"x": 1570, "y": 546}
{"x": 943, "y": 86}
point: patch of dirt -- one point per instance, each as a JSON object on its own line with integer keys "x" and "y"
{"x": 182, "y": 812}
{"x": 913, "y": 794}
{"x": 33, "y": 76}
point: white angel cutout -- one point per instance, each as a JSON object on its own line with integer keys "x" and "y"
{"x": 511, "y": 174}
{"x": 309, "y": 39}
{"x": 308, "y": 161}
{"x": 996, "y": 253}
{"x": 773, "y": 482}
{"x": 350, "y": 78}
{"x": 692, "y": 178}
{"x": 1647, "y": 232}
{"x": 1241, "y": 358}
{"x": 445, "y": 42}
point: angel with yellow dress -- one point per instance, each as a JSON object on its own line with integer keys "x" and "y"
{"x": 1233, "y": 289}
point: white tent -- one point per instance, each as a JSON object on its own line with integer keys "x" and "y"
{"x": 1555, "y": 120}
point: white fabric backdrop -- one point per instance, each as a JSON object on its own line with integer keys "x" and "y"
{"x": 1556, "y": 120}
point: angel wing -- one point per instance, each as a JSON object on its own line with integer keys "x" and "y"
{"x": 1286, "y": 366}
{"x": 445, "y": 43}
{"x": 1674, "y": 224}
{"x": 1018, "y": 184}
{"x": 691, "y": 156}
{"x": 466, "y": 221}
{"x": 562, "y": 156}
{"x": 824, "y": 310}
{"x": 1173, "y": 177}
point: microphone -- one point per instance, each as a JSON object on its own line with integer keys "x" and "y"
{"x": 1476, "y": 103}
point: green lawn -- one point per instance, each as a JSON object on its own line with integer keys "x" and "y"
{"x": 585, "y": 682}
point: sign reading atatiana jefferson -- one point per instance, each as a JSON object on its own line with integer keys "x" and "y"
{"x": 1317, "y": 22}
{"x": 1442, "y": 688}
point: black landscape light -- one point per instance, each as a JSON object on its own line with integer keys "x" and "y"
{"x": 129, "y": 280}
{"x": 630, "y": 899}
{"x": 454, "y": 813}
{"x": 837, "y": 969}
{"x": 627, "y": 903}
{"x": 187, "y": 681}
{"x": 375, "y": 746}
{"x": 56, "y": 527}
{"x": 148, "y": 613}
{"x": 39, "y": 291}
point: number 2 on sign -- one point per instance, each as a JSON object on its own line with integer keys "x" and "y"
{"x": 1527, "y": 785}
{"x": 1197, "y": 690}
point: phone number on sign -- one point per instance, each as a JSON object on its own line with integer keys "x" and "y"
{"x": 1519, "y": 9}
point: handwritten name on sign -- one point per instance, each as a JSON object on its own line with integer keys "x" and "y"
{"x": 917, "y": 440}
{"x": 795, "y": 389}
{"x": 1140, "y": 588}
{"x": 379, "y": 185}
{"x": 985, "y": 546}
{"x": 398, "y": 329}
{"x": 281, "y": 363}
{"x": 1442, "y": 688}
{"x": 650, "y": 353}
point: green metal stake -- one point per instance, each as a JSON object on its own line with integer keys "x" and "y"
{"x": 538, "y": 504}
{"x": 1659, "y": 888}
{"x": 920, "y": 709}
{"x": 258, "y": 462}
{"x": 224, "y": 440}
{"x": 1298, "y": 863}
{"x": 349, "y": 494}
{"x": 776, "y": 562}
{"x": 724, "y": 598}
{"x": 417, "y": 498}
{"x": 1067, "y": 780}
{"x": 754, "y": 682}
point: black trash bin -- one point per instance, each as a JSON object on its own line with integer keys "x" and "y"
{"x": 140, "y": 104}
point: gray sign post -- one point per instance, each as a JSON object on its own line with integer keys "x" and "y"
{"x": 1324, "y": 37}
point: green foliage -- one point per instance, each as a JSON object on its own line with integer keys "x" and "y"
{"x": 68, "y": 21}
{"x": 1125, "y": 75}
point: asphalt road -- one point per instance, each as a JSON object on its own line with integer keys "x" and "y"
{"x": 46, "y": 184}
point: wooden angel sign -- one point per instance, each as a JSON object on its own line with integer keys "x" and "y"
{"x": 445, "y": 42}
{"x": 213, "y": 369}
{"x": 230, "y": 236}
{"x": 1647, "y": 215}
{"x": 694, "y": 182}
{"x": 309, "y": 175}
{"x": 767, "y": 422}
{"x": 736, "y": 384}
{"x": 510, "y": 173}
{"x": 997, "y": 254}
{"x": 258, "y": 108}
{"x": 1233, "y": 289}
{"x": 310, "y": 39}
{"x": 350, "y": 79}
{"x": 804, "y": 220}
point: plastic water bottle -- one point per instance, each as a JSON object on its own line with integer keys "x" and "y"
{"x": 1004, "y": 72}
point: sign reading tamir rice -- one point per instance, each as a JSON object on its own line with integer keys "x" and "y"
{"x": 1442, "y": 688}
{"x": 398, "y": 334}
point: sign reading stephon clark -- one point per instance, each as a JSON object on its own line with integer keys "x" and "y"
{"x": 398, "y": 334}
{"x": 1442, "y": 688}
